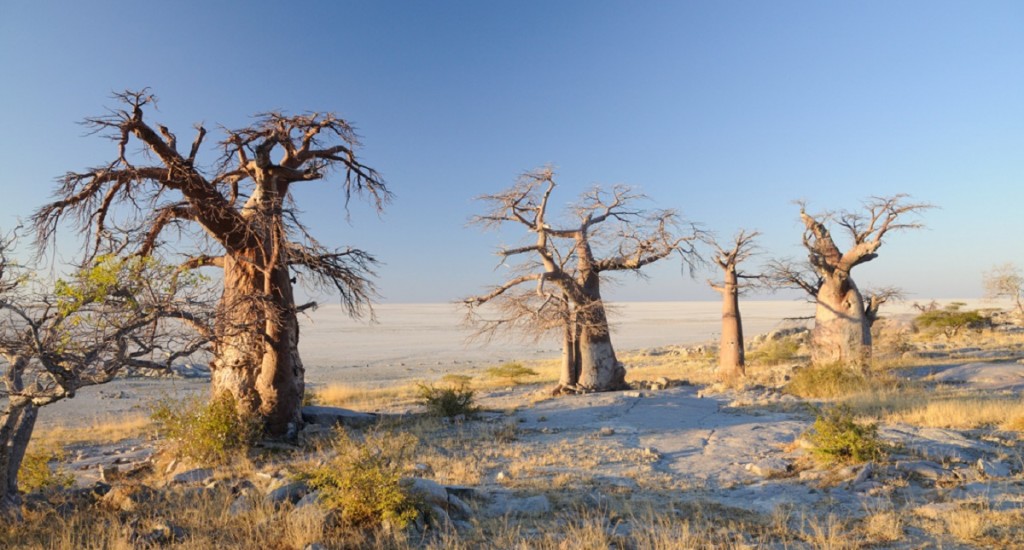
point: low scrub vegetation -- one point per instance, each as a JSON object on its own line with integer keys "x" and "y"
{"x": 512, "y": 372}
{"x": 206, "y": 432}
{"x": 774, "y": 352}
{"x": 950, "y": 320}
{"x": 37, "y": 475}
{"x": 363, "y": 480}
{"x": 827, "y": 381}
{"x": 838, "y": 438}
{"x": 448, "y": 400}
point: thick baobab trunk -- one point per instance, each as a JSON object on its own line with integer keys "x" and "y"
{"x": 599, "y": 369}
{"x": 841, "y": 331}
{"x": 256, "y": 357}
{"x": 731, "y": 360}
{"x": 15, "y": 433}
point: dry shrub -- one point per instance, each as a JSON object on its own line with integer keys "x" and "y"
{"x": 827, "y": 381}
{"x": 362, "y": 480}
{"x": 37, "y": 475}
{"x": 210, "y": 432}
{"x": 447, "y": 401}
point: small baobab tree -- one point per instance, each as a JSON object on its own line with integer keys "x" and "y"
{"x": 112, "y": 315}
{"x": 842, "y": 321}
{"x": 241, "y": 206}
{"x": 565, "y": 263}
{"x": 731, "y": 357}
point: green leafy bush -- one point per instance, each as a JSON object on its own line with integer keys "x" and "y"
{"x": 513, "y": 372}
{"x": 206, "y": 432}
{"x": 36, "y": 475}
{"x": 826, "y": 381}
{"x": 363, "y": 480}
{"x": 447, "y": 401}
{"x": 950, "y": 320}
{"x": 838, "y": 438}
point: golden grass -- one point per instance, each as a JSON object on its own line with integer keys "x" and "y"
{"x": 920, "y": 407}
{"x": 100, "y": 431}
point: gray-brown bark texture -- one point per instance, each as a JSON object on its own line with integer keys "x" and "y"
{"x": 242, "y": 208}
{"x": 566, "y": 272}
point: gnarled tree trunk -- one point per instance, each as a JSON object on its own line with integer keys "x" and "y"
{"x": 16, "y": 427}
{"x": 841, "y": 331}
{"x": 256, "y": 355}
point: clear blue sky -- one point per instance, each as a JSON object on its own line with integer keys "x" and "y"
{"x": 725, "y": 110}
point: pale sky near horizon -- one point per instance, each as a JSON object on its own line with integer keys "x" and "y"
{"x": 727, "y": 111}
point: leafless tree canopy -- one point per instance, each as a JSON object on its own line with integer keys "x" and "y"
{"x": 163, "y": 190}
{"x": 554, "y": 281}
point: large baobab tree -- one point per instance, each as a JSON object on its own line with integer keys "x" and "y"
{"x": 112, "y": 315}
{"x": 731, "y": 357}
{"x": 241, "y": 207}
{"x": 565, "y": 264}
{"x": 842, "y": 321}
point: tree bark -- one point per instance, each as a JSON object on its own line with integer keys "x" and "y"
{"x": 256, "y": 353}
{"x": 15, "y": 433}
{"x": 570, "y": 371}
{"x": 731, "y": 357}
{"x": 841, "y": 332}
{"x": 599, "y": 369}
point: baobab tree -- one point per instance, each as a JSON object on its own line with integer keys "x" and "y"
{"x": 842, "y": 322}
{"x": 242, "y": 207}
{"x": 566, "y": 263}
{"x": 731, "y": 357}
{"x": 112, "y": 315}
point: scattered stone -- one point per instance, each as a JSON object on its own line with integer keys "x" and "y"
{"x": 635, "y": 394}
{"x": 241, "y": 505}
{"x": 504, "y": 504}
{"x": 923, "y": 468}
{"x": 863, "y": 474}
{"x": 652, "y": 454}
{"x": 289, "y": 492}
{"x": 769, "y": 467}
{"x": 315, "y": 546}
{"x": 109, "y": 473}
{"x": 127, "y": 498}
{"x": 993, "y": 469}
{"x": 196, "y": 476}
{"x": 422, "y": 470}
{"x": 606, "y": 431}
{"x": 335, "y": 416}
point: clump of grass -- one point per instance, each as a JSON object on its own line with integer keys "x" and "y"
{"x": 827, "y": 381}
{"x": 36, "y": 475}
{"x": 774, "y": 352}
{"x": 512, "y": 372}
{"x": 447, "y": 401}
{"x": 206, "y": 432}
{"x": 837, "y": 437}
{"x": 363, "y": 480}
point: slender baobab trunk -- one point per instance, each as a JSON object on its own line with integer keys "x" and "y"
{"x": 731, "y": 359}
{"x": 841, "y": 331}
{"x": 257, "y": 358}
{"x": 570, "y": 372}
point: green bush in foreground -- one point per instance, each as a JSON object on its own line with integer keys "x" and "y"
{"x": 826, "y": 381}
{"x": 513, "y": 372}
{"x": 206, "y": 432}
{"x": 838, "y": 438}
{"x": 35, "y": 473}
{"x": 363, "y": 480}
{"x": 447, "y": 401}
